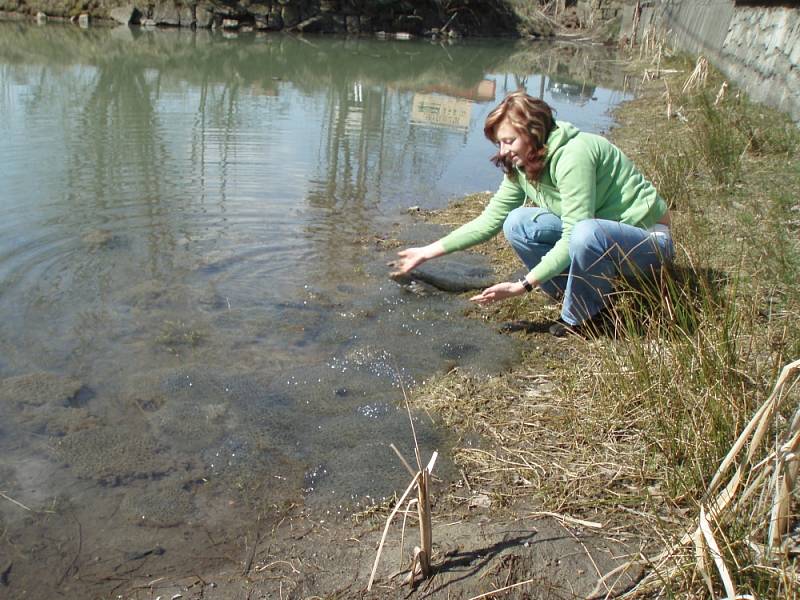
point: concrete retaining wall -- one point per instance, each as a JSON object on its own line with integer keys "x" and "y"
{"x": 755, "y": 44}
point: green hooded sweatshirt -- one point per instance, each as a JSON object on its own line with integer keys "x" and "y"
{"x": 585, "y": 177}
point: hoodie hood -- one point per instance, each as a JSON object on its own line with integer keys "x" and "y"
{"x": 559, "y": 136}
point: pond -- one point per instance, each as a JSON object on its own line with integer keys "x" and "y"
{"x": 197, "y": 320}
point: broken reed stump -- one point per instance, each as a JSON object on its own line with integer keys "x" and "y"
{"x": 425, "y": 525}
{"x": 420, "y": 560}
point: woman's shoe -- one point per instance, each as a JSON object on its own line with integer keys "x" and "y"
{"x": 598, "y": 324}
{"x": 561, "y": 329}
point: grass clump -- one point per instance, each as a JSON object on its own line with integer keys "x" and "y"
{"x": 630, "y": 429}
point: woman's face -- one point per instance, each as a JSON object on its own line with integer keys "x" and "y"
{"x": 512, "y": 145}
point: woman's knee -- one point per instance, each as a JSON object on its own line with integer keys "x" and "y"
{"x": 513, "y": 224}
{"x": 523, "y": 223}
{"x": 587, "y": 235}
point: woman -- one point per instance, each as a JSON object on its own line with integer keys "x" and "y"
{"x": 593, "y": 215}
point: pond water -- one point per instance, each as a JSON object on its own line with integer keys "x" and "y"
{"x": 196, "y": 320}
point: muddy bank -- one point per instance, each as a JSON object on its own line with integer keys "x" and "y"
{"x": 600, "y": 19}
{"x": 430, "y": 18}
{"x": 476, "y": 551}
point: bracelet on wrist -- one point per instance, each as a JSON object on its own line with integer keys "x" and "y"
{"x": 526, "y": 284}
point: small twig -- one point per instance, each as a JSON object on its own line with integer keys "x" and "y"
{"x": 386, "y": 528}
{"x": 403, "y": 460}
{"x": 602, "y": 582}
{"x": 145, "y": 586}
{"x": 450, "y": 20}
{"x": 15, "y": 502}
{"x": 573, "y": 520}
{"x": 278, "y": 562}
{"x": 77, "y": 553}
{"x": 466, "y": 481}
{"x": 252, "y": 555}
{"x": 493, "y": 592}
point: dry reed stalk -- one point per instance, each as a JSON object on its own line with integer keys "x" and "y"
{"x": 657, "y": 60}
{"x": 783, "y": 482}
{"x": 645, "y": 43}
{"x": 716, "y": 555}
{"x": 721, "y": 93}
{"x": 637, "y": 15}
{"x": 698, "y": 77}
{"x": 425, "y": 525}
{"x": 781, "y": 462}
{"x": 669, "y": 100}
{"x": 386, "y": 530}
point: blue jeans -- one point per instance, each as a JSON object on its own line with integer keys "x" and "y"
{"x": 599, "y": 251}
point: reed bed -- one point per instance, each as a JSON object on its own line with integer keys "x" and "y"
{"x": 644, "y": 430}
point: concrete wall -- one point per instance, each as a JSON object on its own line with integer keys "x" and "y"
{"x": 755, "y": 44}
{"x": 762, "y": 48}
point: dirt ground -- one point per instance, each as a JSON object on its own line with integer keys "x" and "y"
{"x": 477, "y": 551}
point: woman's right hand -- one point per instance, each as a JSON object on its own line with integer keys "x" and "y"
{"x": 410, "y": 258}
{"x": 407, "y": 260}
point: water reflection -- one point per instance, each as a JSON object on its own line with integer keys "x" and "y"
{"x": 196, "y": 314}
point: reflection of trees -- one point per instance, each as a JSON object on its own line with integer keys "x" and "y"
{"x": 576, "y": 92}
{"x": 118, "y": 140}
{"x": 347, "y": 143}
{"x": 260, "y": 61}
{"x": 595, "y": 65}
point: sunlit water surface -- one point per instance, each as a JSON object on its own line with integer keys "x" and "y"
{"x": 197, "y": 322}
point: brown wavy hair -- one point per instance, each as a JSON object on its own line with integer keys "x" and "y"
{"x": 533, "y": 119}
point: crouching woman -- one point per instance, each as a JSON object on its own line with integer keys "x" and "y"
{"x": 571, "y": 204}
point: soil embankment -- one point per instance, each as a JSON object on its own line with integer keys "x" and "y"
{"x": 428, "y": 17}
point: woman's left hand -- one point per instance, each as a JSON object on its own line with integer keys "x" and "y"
{"x": 499, "y": 291}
